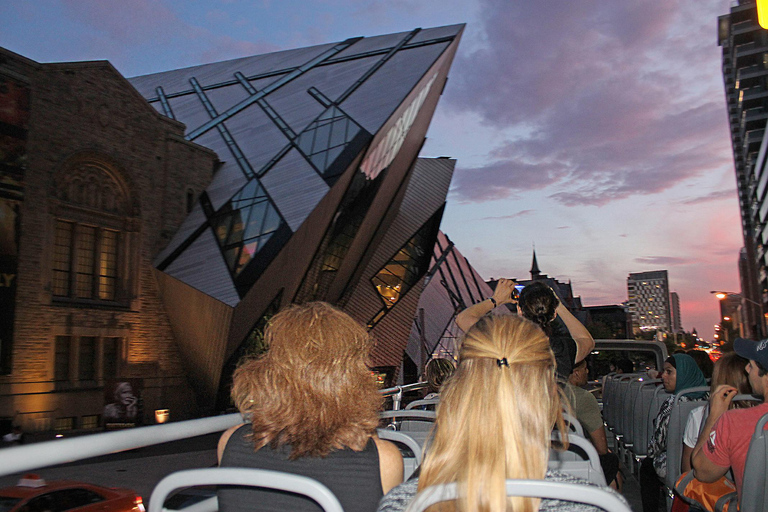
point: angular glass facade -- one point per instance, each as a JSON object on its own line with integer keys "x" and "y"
{"x": 258, "y": 113}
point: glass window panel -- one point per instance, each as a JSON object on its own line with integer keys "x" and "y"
{"x": 89, "y": 422}
{"x": 305, "y": 141}
{"x": 61, "y": 359}
{"x": 318, "y": 159}
{"x": 321, "y": 138}
{"x": 109, "y": 358}
{"x": 62, "y": 258}
{"x": 86, "y": 367}
{"x": 108, "y": 265}
{"x": 333, "y": 154}
{"x": 338, "y": 133}
{"x": 249, "y": 250}
{"x": 230, "y": 255}
{"x": 271, "y": 220}
{"x": 255, "y": 220}
{"x": 222, "y": 228}
{"x": 86, "y": 245}
{"x": 236, "y": 232}
{"x": 64, "y": 424}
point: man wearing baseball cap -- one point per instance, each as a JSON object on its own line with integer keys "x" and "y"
{"x": 724, "y": 439}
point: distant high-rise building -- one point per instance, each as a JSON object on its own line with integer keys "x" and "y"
{"x": 674, "y": 308}
{"x": 648, "y": 294}
{"x": 745, "y": 75}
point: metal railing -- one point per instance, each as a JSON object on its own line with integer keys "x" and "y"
{"x": 396, "y": 393}
{"x": 18, "y": 459}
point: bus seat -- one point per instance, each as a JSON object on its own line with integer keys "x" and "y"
{"x": 412, "y": 454}
{"x": 576, "y": 493}
{"x": 580, "y": 460}
{"x": 574, "y": 425}
{"x": 243, "y": 477}
{"x": 756, "y": 471}
{"x": 429, "y": 404}
{"x": 677, "y": 420}
{"x": 643, "y": 402}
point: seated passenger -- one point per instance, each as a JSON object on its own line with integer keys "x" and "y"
{"x": 680, "y": 373}
{"x": 539, "y": 304}
{"x": 704, "y": 361}
{"x": 587, "y": 411}
{"x": 728, "y": 370}
{"x": 437, "y": 371}
{"x": 624, "y": 365}
{"x": 313, "y": 409}
{"x": 495, "y": 420}
{"x": 724, "y": 439}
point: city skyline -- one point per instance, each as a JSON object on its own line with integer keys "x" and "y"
{"x": 597, "y": 132}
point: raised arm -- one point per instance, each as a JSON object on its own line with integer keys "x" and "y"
{"x": 501, "y": 295}
{"x": 584, "y": 341}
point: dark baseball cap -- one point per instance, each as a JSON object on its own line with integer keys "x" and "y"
{"x": 754, "y": 350}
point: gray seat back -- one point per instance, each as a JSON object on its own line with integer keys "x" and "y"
{"x": 243, "y": 477}
{"x": 609, "y": 385}
{"x": 410, "y": 462}
{"x": 660, "y": 395}
{"x": 574, "y": 425}
{"x": 429, "y": 404}
{"x": 640, "y": 415}
{"x": 755, "y": 483}
{"x": 528, "y": 488}
{"x": 628, "y": 408}
{"x": 620, "y": 402}
{"x": 580, "y": 460}
{"x": 677, "y": 421}
{"x": 416, "y": 423}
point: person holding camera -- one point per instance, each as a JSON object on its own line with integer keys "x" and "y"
{"x": 539, "y": 303}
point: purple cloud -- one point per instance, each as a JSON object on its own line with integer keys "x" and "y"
{"x": 503, "y": 179}
{"x": 602, "y": 99}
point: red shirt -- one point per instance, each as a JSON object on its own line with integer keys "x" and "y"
{"x": 728, "y": 441}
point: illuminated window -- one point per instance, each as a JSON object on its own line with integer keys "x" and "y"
{"x": 84, "y": 261}
{"x": 64, "y": 423}
{"x": 406, "y": 267}
{"x": 89, "y": 422}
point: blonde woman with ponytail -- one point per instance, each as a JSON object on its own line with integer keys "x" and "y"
{"x": 494, "y": 422}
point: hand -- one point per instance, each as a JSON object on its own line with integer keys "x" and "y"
{"x": 721, "y": 399}
{"x": 503, "y": 292}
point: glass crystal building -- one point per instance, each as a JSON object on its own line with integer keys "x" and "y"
{"x": 319, "y": 194}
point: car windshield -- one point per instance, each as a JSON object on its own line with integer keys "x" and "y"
{"x": 7, "y": 503}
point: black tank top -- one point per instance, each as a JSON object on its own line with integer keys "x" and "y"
{"x": 353, "y": 477}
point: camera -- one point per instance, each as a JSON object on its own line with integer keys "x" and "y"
{"x": 517, "y": 290}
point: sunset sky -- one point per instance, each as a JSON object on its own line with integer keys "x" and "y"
{"x": 595, "y": 130}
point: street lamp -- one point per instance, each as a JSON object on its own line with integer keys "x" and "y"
{"x": 721, "y": 295}
{"x": 758, "y": 328}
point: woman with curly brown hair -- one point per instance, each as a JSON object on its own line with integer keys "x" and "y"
{"x": 313, "y": 409}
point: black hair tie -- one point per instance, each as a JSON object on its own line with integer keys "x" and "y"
{"x": 502, "y": 362}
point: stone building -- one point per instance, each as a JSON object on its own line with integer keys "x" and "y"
{"x": 94, "y": 183}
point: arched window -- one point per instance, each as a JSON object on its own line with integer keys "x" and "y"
{"x": 89, "y": 248}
